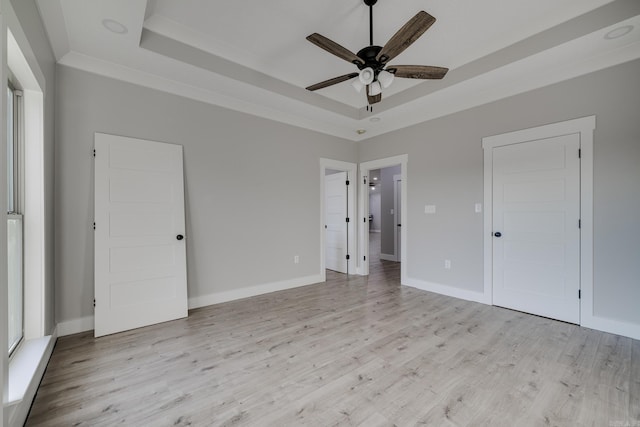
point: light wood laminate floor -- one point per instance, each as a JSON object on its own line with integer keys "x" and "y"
{"x": 351, "y": 351}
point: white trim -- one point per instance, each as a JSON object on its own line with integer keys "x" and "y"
{"x": 4, "y": 357}
{"x": 83, "y": 324}
{"x": 568, "y": 127}
{"x": 396, "y": 178}
{"x": 352, "y": 248}
{"x": 450, "y": 291}
{"x": 25, "y": 373}
{"x": 34, "y": 214}
{"x": 613, "y": 326}
{"x": 375, "y": 231}
{"x": 75, "y": 326}
{"x": 585, "y": 127}
{"x": 363, "y": 211}
{"x": 388, "y": 257}
{"x": 251, "y": 291}
{"x": 20, "y": 56}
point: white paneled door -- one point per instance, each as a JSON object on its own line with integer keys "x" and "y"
{"x": 140, "y": 258}
{"x": 536, "y": 235}
{"x": 336, "y": 234}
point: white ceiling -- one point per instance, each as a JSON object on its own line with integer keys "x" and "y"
{"x": 252, "y": 56}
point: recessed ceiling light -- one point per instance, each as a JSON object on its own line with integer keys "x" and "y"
{"x": 616, "y": 33}
{"x": 375, "y": 178}
{"x": 374, "y": 119}
{"x": 360, "y": 131}
{"x": 114, "y": 26}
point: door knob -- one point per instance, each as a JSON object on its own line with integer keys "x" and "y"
{"x": 497, "y": 234}
{"x": 179, "y": 237}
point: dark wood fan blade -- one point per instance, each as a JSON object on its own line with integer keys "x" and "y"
{"x": 406, "y": 35}
{"x": 332, "y": 81}
{"x": 417, "y": 71}
{"x": 334, "y": 48}
{"x": 373, "y": 98}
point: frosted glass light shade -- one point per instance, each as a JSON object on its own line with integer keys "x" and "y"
{"x": 357, "y": 84}
{"x": 375, "y": 89}
{"x": 366, "y": 75}
{"x": 385, "y": 78}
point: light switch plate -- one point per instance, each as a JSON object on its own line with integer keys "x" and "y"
{"x": 430, "y": 209}
{"x": 478, "y": 207}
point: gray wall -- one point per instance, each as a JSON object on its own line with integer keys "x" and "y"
{"x": 252, "y": 186}
{"x": 445, "y": 168}
{"x": 29, "y": 18}
{"x": 387, "y": 203}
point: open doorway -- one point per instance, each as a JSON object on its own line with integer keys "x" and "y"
{"x": 337, "y": 217}
{"x": 382, "y": 236}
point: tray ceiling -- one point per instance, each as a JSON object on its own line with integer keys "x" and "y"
{"x": 253, "y": 57}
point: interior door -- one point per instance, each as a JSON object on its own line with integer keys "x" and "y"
{"x": 140, "y": 258}
{"x": 536, "y": 212}
{"x": 336, "y": 212}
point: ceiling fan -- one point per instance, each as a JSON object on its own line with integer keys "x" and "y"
{"x": 372, "y": 60}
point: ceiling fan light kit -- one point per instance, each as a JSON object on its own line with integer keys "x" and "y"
{"x": 385, "y": 78}
{"x": 372, "y": 60}
{"x": 375, "y": 88}
{"x": 366, "y": 75}
{"x": 357, "y": 84}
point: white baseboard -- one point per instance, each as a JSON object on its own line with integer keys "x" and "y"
{"x": 75, "y": 326}
{"x": 83, "y": 324}
{"x": 618, "y": 327}
{"x": 603, "y": 324}
{"x": 447, "y": 290}
{"x": 374, "y": 231}
{"x": 388, "y": 257}
{"x": 225, "y": 296}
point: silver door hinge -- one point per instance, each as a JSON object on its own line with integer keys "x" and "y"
{"x": 94, "y": 152}
{"x": 579, "y": 294}
{"x": 94, "y": 302}
{"x": 94, "y": 225}
{"x": 579, "y": 153}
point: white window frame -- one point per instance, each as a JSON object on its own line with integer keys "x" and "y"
{"x": 18, "y": 206}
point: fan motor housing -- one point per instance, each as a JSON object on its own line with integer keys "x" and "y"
{"x": 368, "y": 55}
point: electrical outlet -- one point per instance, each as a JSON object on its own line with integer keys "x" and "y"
{"x": 296, "y": 259}
{"x": 447, "y": 264}
{"x": 430, "y": 209}
{"x": 478, "y": 207}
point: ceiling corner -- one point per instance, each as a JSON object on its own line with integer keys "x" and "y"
{"x": 55, "y": 26}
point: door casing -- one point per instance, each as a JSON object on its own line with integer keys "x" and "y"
{"x": 352, "y": 173}
{"x": 363, "y": 212}
{"x": 584, "y": 127}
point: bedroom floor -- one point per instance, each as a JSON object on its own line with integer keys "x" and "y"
{"x": 351, "y": 351}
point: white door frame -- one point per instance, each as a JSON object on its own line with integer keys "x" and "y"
{"x": 352, "y": 172}
{"x": 396, "y": 249}
{"x": 363, "y": 228}
{"x": 584, "y": 127}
